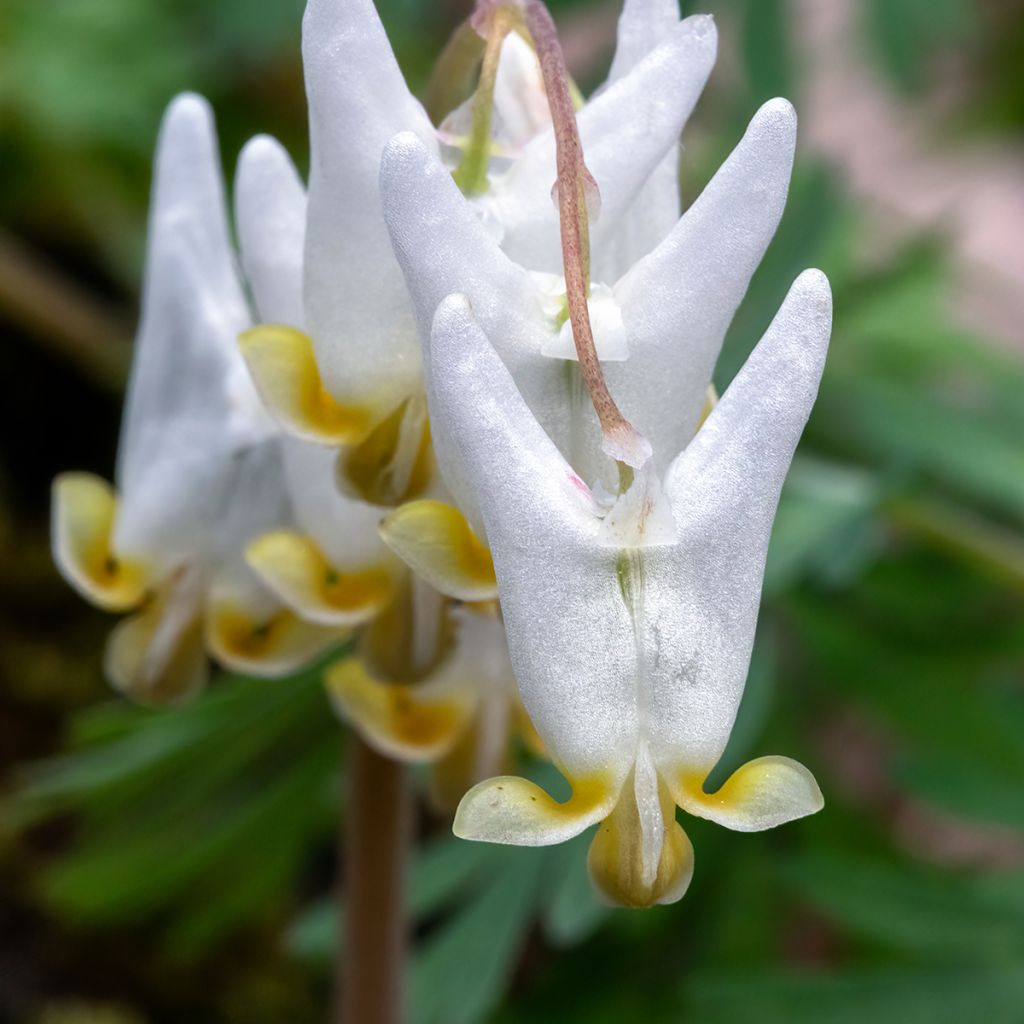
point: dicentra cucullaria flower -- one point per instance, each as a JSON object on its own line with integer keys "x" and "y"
{"x": 658, "y": 328}
{"x": 630, "y": 627}
{"x": 426, "y": 683}
{"x": 198, "y": 471}
{"x": 342, "y": 369}
{"x": 352, "y": 377}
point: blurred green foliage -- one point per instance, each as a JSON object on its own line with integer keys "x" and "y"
{"x": 180, "y": 863}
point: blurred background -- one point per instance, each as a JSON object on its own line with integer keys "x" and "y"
{"x": 176, "y": 866}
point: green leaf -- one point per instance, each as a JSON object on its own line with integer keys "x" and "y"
{"x": 915, "y": 909}
{"x": 908, "y": 996}
{"x": 461, "y": 971}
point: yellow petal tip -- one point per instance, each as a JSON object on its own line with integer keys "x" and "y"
{"x": 435, "y": 541}
{"x": 405, "y": 722}
{"x": 84, "y": 515}
{"x": 283, "y": 366}
{"x": 294, "y": 568}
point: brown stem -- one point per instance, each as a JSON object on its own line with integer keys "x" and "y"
{"x": 574, "y": 183}
{"x": 57, "y": 311}
{"x": 377, "y": 833}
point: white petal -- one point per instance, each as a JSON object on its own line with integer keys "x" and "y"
{"x": 654, "y": 210}
{"x": 270, "y": 212}
{"x": 520, "y": 104}
{"x": 344, "y": 528}
{"x": 356, "y": 309}
{"x": 625, "y": 132}
{"x": 643, "y": 24}
{"x": 190, "y": 401}
{"x": 443, "y": 247}
{"x": 703, "y": 597}
{"x": 570, "y": 639}
{"x": 678, "y": 302}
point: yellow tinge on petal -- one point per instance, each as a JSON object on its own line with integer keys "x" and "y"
{"x": 394, "y": 462}
{"x": 283, "y": 365}
{"x": 84, "y": 514}
{"x": 761, "y": 794}
{"x": 295, "y": 569}
{"x": 512, "y": 810}
{"x": 435, "y": 541}
{"x": 620, "y": 860}
{"x": 710, "y": 401}
{"x": 158, "y": 656}
{"x": 407, "y": 722}
{"x": 272, "y": 645}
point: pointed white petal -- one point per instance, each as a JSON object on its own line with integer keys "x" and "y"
{"x": 626, "y": 131}
{"x": 724, "y": 489}
{"x": 654, "y": 211}
{"x": 570, "y": 638}
{"x": 443, "y": 247}
{"x": 678, "y": 302}
{"x": 643, "y": 24}
{"x": 356, "y": 309}
{"x": 270, "y": 212}
{"x": 190, "y": 401}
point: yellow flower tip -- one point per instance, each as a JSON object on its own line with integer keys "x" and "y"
{"x": 157, "y": 658}
{"x": 435, "y": 541}
{"x": 632, "y": 866}
{"x": 268, "y": 646}
{"x": 516, "y": 811}
{"x": 762, "y": 794}
{"x": 283, "y": 366}
{"x": 294, "y": 568}
{"x": 84, "y": 514}
{"x": 407, "y": 722}
{"x": 394, "y": 462}
{"x": 710, "y": 401}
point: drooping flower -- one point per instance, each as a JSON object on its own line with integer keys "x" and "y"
{"x": 425, "y": 683}
{"x": 658, "y": 329}
{"x": 352, "y": 378}
{"x": 630, "y": 628}
{"x": 329, "y": 566}
{"x": 196, "y": 472}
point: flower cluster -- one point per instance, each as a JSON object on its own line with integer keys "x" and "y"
{"x": 451, "y": 403}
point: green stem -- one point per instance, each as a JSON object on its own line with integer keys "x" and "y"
{"x": 471, "y": 174}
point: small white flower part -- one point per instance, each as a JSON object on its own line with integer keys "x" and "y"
{"x": 631, "y": 652}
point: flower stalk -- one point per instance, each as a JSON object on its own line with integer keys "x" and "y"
{"x": 376, "y": 833}
{"x": 577, "y": 197}
{"x": 471, "y": 174}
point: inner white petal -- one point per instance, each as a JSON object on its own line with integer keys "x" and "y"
{"x": 652, "y": 825}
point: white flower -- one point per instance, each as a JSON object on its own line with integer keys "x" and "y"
{"x": 444, "y": 695}
{"x": 630, "y": 630}
{"x": 659, "y": 327}
{"x": 328, "y": 564}
{"x": 196, "y": 472}
{"x": 359, "y": 364}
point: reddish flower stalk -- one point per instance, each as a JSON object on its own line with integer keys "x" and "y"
{"x": 575, "y": 186}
